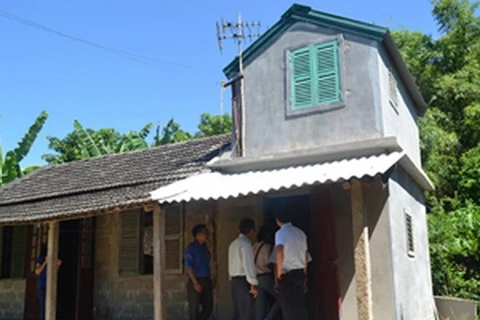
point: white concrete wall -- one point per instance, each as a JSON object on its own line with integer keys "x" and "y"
{"x": 411, "y": 275}
{"x": 400, "y": 121}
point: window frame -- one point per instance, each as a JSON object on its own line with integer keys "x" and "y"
{"x": 8, "y": 252}
{"x": 290, "y": 110}
{"x": 124, "y": 266}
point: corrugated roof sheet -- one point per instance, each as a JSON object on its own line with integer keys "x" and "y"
{"x": 216, "y": 185}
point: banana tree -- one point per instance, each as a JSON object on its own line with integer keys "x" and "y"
{"x": 10, "y": 163}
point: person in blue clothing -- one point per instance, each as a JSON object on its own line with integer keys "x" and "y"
{"x": 41, "y": 272}
{"x": 199, "y": 285}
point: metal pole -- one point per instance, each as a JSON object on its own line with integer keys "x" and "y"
{"x": 240, "y": 69}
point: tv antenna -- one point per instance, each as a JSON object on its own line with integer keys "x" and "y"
{"x": 239, "y": 32}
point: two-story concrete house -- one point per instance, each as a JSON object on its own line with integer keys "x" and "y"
{"x": 328, "y": 122}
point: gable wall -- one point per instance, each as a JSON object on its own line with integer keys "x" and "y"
{"x": 269, "y": 130}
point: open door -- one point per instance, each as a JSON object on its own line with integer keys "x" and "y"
{"x": 84, "y": 303}
{"x": 328, "y": 299}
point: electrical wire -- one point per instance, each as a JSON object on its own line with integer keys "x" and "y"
{"x": 119, "y": 52}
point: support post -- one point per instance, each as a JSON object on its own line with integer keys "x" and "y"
{"x": 361, "y": 252}
{"x": 52, "y": 267}
{"x": 158, "y": 263}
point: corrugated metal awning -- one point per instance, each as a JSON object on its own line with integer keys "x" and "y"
{"x": 217, "y": 185}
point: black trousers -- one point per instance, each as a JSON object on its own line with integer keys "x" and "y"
{"x": 292, "y": 295}
{"x": 202, "y": 299}
{"x": 243, "y": 301}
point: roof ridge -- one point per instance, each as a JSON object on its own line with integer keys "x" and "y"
{"x": 82, "y": 191}
{"x": 70, "y": 163}
{"x": 118, "y": 154}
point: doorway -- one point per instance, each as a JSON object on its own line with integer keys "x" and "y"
{"x": 75, "y": 276}
{"x": 301, "y": 218}
{"x": 314, "y": 215}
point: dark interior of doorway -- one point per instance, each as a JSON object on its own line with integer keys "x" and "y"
{"x": 67, "y": 275}
{"x": 302, "y": 219}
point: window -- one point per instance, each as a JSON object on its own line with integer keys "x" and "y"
{"x": 393, "y": 90}
{"x": 136, "y": 241}
{"x": 314, "y": 76}
{"x": 409, "y": 235}
{"x": 13, "y": 252}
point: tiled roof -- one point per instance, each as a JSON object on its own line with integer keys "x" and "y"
{"x": 81, "y": 187}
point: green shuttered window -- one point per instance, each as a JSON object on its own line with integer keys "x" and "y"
{"x": 13, "y": 252}
{"x": 136, "y": 241}
{"x": 315, "y": 75}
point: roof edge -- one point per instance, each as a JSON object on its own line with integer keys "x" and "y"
{"x": 417, "y": 173}
{"x": 301, "y": 13}
{"x": 304, "y": 157}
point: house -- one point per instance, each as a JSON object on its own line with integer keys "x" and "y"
{"x": 328, "y": 122}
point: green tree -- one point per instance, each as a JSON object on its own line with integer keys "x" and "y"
{"x": 214, "y": 125}
{"x": 10, "y": 163}
{"x": 448, "y": 72}
{"x": 83, "y": 143}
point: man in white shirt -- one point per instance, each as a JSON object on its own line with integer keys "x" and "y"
{"x": 242, "y": 273}
{"x": 292, "y": 257}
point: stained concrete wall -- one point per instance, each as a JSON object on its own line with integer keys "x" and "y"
{"x": 12, "y": 299}
{"x": 399, "y": 121}
{"x": 126, "y": 297}
{"x": 266, "y": 96}
{"x": 375, "y": 200}
{"x": 411, "y": 275}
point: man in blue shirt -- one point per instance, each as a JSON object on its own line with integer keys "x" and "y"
{"x": 41, "y": 272}
{"x": 199, "y": 286}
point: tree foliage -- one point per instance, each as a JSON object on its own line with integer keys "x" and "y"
{"x": 447, "y": 70}
{"x": 83, "y": 143}
{"x": 10, "y": 163}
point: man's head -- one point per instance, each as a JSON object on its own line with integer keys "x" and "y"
{"x": 200, "y": 233}
{"x": 247, "y": 227}
{"x": 283, "y": 215}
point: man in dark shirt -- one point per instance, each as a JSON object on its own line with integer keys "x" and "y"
{"x": 199, "y": 286}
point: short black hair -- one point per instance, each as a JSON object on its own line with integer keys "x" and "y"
{"x": 265, "y": 234}
{"x": 246, "y": 225}
{"x": 43, "y": 250}
{"x": 198, "y": 228}
{"x": 284, "y": 214}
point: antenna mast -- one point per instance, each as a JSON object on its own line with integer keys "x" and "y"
{"x": 238, "y": 34}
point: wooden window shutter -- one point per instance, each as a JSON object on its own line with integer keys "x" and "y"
{"x": 130, "y": 244}
{"x": 19, "y": 252}
{"x": 301, "y": 78}
{"x": 174, "y": 239}
{"x": 327, "y": 87}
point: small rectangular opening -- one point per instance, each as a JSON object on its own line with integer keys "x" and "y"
{"x": 409, "y": 235}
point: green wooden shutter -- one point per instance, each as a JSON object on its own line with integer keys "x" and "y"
{"x": 301, "y": 78}
{"x": 327, "y": 86}
{"x": 130, "y": 244}
{"x": 19, "y": 252}
{"x": 174, "y": 239}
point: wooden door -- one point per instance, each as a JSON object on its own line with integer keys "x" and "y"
{"x": 37, "y": 235}
{"x": 84, "y": 300}
{"x": 328, "y": 300}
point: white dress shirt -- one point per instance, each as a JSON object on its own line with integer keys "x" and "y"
{"x": 240, "y": 260}
{"x": 294, "y": 242}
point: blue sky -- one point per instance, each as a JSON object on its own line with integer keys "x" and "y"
{"x": 70, "y": 80}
